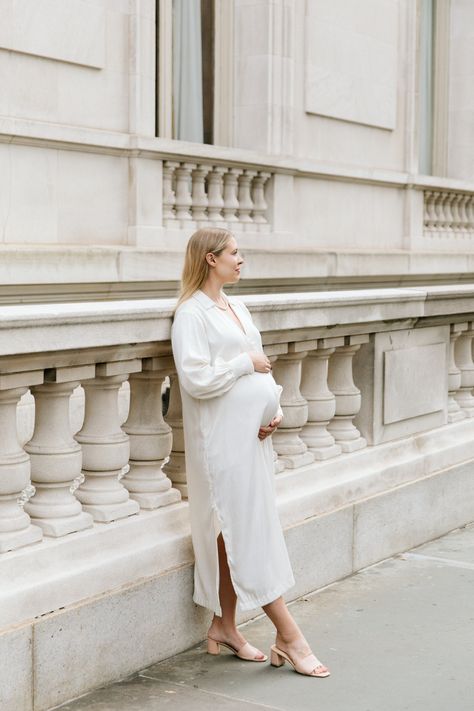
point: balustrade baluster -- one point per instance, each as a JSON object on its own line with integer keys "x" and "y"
{"x": 56, "y": 458}
{"x": 245, "y": 199}
{"x": 348, "y": 396}
{"x": 199, "y": 197}
{"x": 457, "y": 222}
{"x": 215, "y": 194}
{"x": 463, "y": 213}
{"x": 454, "y": 374}
{"x": 175, "y": 468}
{"x": 438, "y": 208}
{"x": 183, "y": 200}
{"x": 259, "y": 202}
{"x": 16, "y": 529}
{"x": 447, "y": 218}
{"x": 231, "y": 202}
{"x": 286, "y": 439}
{"x": 321, "y": 401}
{"x": 430, "y": 213}
{"x": 470, "y": 213}
{"x": 105, "y": 446}
{"x": 463, "y": 359}
{"x": 169, "y": 197}
{"x": 150, "y": 437}
{"x": 272, "y": 352}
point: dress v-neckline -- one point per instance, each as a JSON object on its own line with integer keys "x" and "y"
{"x": 241, "y": 327}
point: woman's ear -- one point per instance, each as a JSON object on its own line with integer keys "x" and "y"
{"x": 211, "y": 259}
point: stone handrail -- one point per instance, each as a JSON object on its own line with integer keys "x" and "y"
{"x": 341, "y": 358}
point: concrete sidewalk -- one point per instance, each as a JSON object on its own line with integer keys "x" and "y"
{"x": 397, "y": 636}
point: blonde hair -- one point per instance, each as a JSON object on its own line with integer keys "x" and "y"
{"x": 196, "y": 268}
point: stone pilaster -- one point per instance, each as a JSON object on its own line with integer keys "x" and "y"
{"x": 287, "y": 442}
{"x": 150, "y": 437}
{"x": 175, "y": 467}
{"x": 321, "y": 401}
{"x": 105, "y": 446}
{"x": 56, "y": 458}
{"x": 348, "y": 396}
{"x": 16, "y": 529}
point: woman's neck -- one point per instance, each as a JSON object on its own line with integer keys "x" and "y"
{"x": 213, "y": 289}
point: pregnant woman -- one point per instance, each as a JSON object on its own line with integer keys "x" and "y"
{"x": 230, "y": 408}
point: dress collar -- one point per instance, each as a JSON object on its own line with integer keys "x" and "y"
{"x": 206, "y": 300}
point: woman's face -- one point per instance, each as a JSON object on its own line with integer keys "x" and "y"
{"x": 226, "y": 266}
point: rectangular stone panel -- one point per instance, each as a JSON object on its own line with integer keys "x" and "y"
{"x": 351, "y": 60}
{"x": 72, "y": 31}
{"x": 414, "y": 381}
{"x": 403, "y": 378}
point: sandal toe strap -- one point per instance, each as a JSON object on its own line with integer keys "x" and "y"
{"x": 248, "y": 651}
{"x": 309, "y": 663}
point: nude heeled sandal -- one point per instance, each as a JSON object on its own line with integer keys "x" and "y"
{"x": 246, "y": 652}
{"x": 304, "y": 666}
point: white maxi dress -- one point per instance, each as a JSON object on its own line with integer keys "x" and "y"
{"x": 229, "y": 470}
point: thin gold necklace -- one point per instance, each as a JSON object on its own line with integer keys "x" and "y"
{"x": 222, "y": 308}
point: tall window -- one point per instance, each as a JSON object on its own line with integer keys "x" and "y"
{"x": 194, "y": 53}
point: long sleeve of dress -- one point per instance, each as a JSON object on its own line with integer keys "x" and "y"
{"x": 197, "y": 375}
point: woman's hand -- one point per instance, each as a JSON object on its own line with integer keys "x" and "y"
{"x": 260, "y": 362}
{"x": 269, "y": 429}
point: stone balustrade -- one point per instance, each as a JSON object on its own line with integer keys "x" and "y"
{"x": 448, "y": 213}
{"x": 358, "y": 369}
{"x": 204, "y": 195}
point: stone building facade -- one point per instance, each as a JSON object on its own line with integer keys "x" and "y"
{"x": 336, "y": 139}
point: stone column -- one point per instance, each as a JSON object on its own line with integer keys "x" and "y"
{"x": 16, "y": 529}
{"x": 287, "y": 442}
{"x": 150, "y": 437}
{"x": 321, "y": 401}
{"x": 175, "y": 467}
{"x": 463, "y": 359}
{"x": 348, "y": 397}
{"x": 454, "y": 375}
{"x": 56, "y": 458}
{"x": 105, "y": 446}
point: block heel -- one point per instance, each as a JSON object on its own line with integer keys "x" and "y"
{"x": 213, "y": 647}
{"x": 275, "y": 659}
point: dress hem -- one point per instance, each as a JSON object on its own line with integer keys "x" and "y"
{"x": 249, "y": 603}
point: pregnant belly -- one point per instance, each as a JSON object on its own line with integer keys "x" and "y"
{"x": 258, "y": 395}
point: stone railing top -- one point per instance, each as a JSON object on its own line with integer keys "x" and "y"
{"x": 43, "y": 328}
